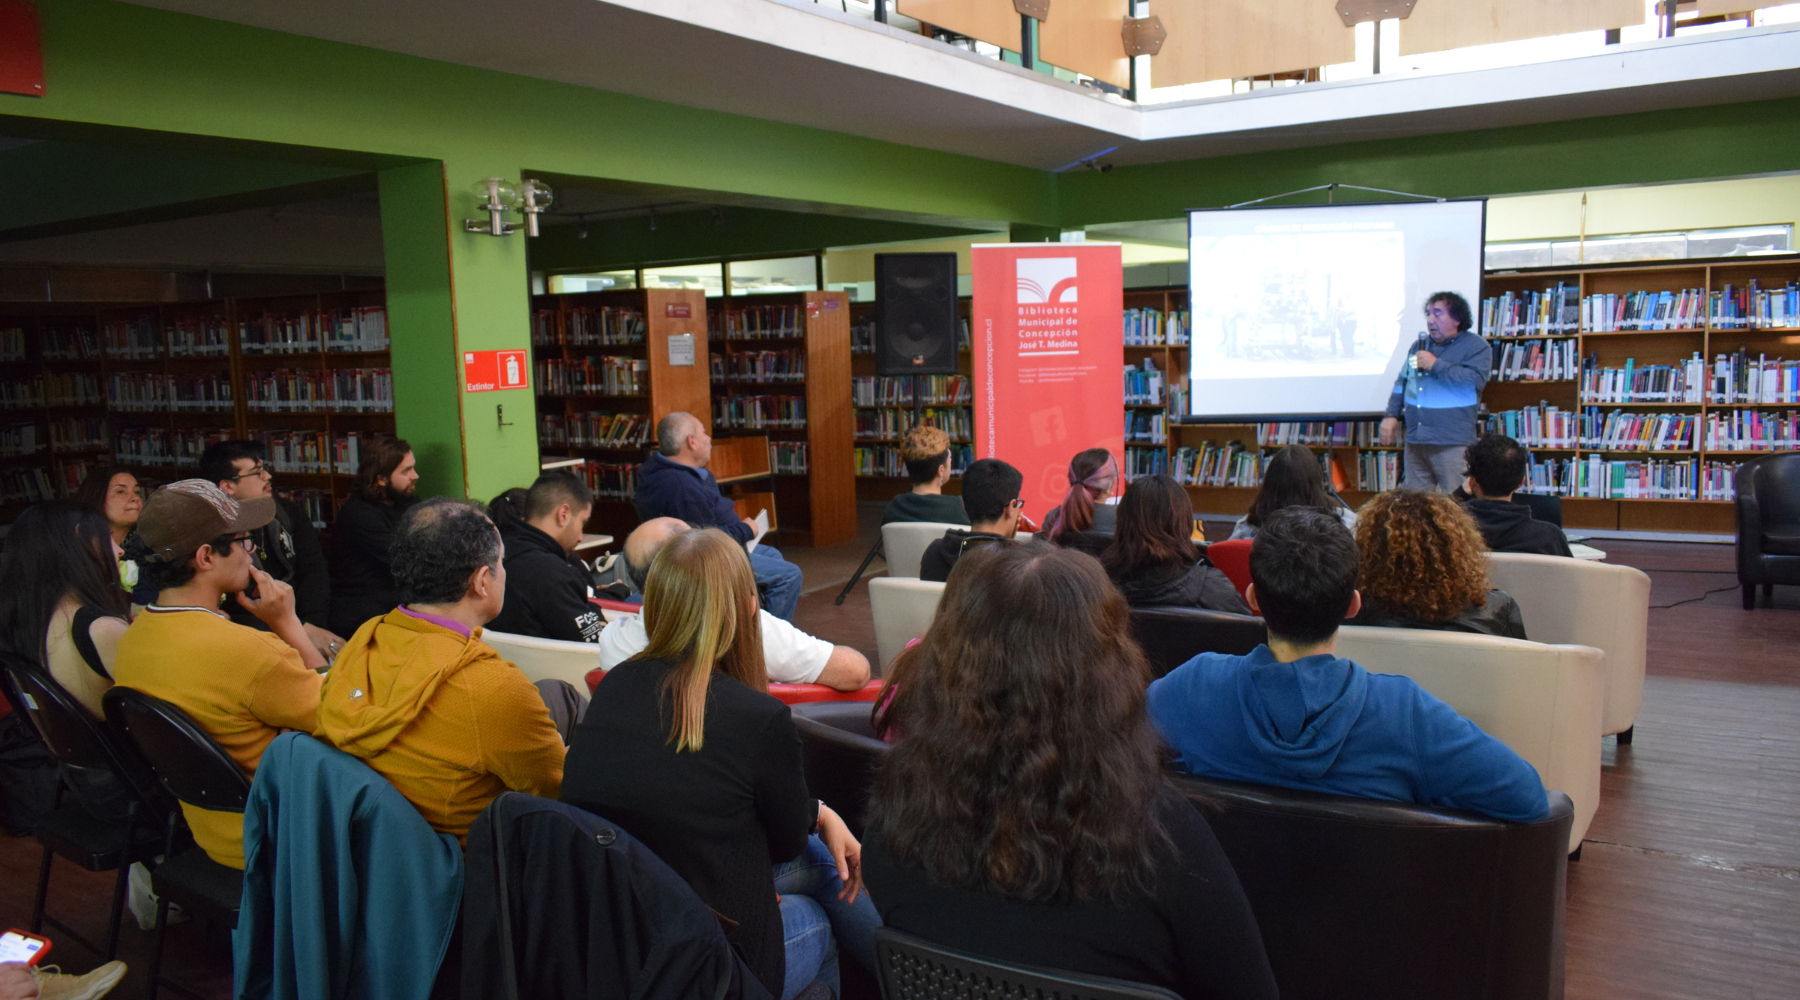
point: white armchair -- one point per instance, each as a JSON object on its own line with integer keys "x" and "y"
{"x": 1587, "y": 604}
{"x": 903, "y": 543}
{"x": 1541, "y": 700}
{"x": 546, "y": 659}
{"x": 903, "y": 609}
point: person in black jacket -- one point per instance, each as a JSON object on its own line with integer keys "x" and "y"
{"x": 1496, "y": 471}
{"x": 287, "y": 548}
{"x": 1153, "y": 560}
{"x": 1054, "y": 838}
{"x": 362, "y": 580}
{"x": 547, "y": 586}
{"x": 682, "y": 748}
{"x": 991, "y": 497}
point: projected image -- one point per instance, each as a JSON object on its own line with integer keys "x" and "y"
{"x": 1291, "y": 305}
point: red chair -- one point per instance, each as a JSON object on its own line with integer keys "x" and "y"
{"x": 1233, "y": 559}
{"x": 608, "y": 605}
{"x": 792, "y": 694}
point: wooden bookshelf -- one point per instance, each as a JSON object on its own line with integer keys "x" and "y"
{"x": 576, "y": 339}
{"x": 881, "y": 450}
{"x": 148, "y": 386}
{"x": 780, "y": 368}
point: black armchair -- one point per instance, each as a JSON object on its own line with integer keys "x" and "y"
{"x": 1768, "y": 524}
{"x": 838, "y": 751}
{"x": 1173, "y": 636}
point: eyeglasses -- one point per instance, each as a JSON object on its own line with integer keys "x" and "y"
{"x": 248, "y": 541}
{"x": 256, "y": 470}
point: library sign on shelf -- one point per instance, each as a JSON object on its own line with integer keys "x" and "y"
{"x": 486, "y": 371}
{"x": 1048, "y": 336}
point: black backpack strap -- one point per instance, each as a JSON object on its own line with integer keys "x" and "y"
{"x": 85, "y": 617}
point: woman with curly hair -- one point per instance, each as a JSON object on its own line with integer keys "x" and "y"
{"x": 1055, "y": 838}
{"x": 1424, "y": 565}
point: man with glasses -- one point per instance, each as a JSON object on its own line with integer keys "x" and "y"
{"x": 990, "y": 496}
{"x": 243, "y": 686}
{"x": 287, "y": 548}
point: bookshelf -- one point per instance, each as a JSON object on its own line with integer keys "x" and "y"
{"x": 884, "y": 410}
{"x": 604, "y": 374}
{"x": 149, "y": 386}
{"x": 780, "y": 368}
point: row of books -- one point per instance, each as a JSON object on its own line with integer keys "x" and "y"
{"x": 158, "y": 392}
{"x": 54, "y": 389}
{"x": 1218, "y": 464}
{"x": 1320, "y": 434}
{"x": 316, "y": 504}
{"x": 341, "y": 390}
{"x": 311, "y": 451}
{"x": 774, "y": 322}
{"x": 611, "y": 480}
{"x": 1541, "y": 426}
{"x": 1145, "y": 462}
{"x": 165, "y": 446}
{"x": 1555, "y": 310}
{"x": 587, "y": 326}
{"x": 132, "y": 339}
{"x": 12, "y": 344}
{"x": 1753, "y": 430}
{"x": 596, "y": 430}
{"x": 787, "y": 458}
{"x": 1146, "y": 427}
{"x": 77, "y": 433}
{"x": 1739, "y": 378}
{"x": 605, "y": 375}
{"x": 1751, "y": 306}
{"x": 1621, "y": 430}
{"x": 20, "y": 439}
{"x": 759, "y": 366}
{"x": 956, "y": 421}
{"x": 1155, "y": 328}
{"x": 1682, "y": 383}
{"x": 1536, "y": 361}
{"x": 1378, "y": 471}
{"x": 28, "y": 485}
{"x": 1596, "y": 478}
{"x": 362, "y": 328}
{"x": 884, "y": 461}
{"x": 1561, "y": 309}
{"x": 1143, "y": 385}
{"x": 73, "y": 344}
{"x": 862, "y": 335}
{"x": 897, "y": 390}
{"x": 1665, "y": 310}
{"x": 759, "y": 412}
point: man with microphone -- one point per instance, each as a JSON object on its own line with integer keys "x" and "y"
{"x": 1439, "y": 393}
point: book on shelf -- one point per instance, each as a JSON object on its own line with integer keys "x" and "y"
{"x": 164, "y": 446}
{"x": 1752, "y": 430}
{"x": 1665, "y": 310}
{"x": 862, "y": 335}
{"x": 1622, "y": 430}
{"x": 17, "y": 440}
{"x": 77, "y": 433}
{"x": 78, "y": 344}
{"x": 596, "y": 430}
{"x": 12, "y": 344}
{"x": 602, "y": 375}
{"x": 1593, "y": 477}
{"x": 1146, "y": 427}
{"x": 1319, "y": 433}
{"x": 1143, "y": 384}
{"x": 897, "y": 390}
{"x": 1155, "y": 328}
{"x": 342, "y": 390}
{"x": 884, "y": 461}
{"x": 759, "y": 412}
{"x": 26, "y": 485}
{"x": 1541, "y": 426}
{"x": 956, "y": 421}
{"x": 759, "y": 366}
{"x": 1378, "y": 471}
{"x": 358, "y": 328}
{"x": 199, "y": 337}
{"x": 1217, "y": 463}
{"x": 134, "y": 339}
{"x": 1633, "y": 383}
{"x": 296, "y": 451}
{"x": 292, "y": 332}
{"x": 611, "y": 480}
{"x": 1145, "y": 462}
{"x": 1743, "y": 307}
{"x": 767, "y": 322}
{"x": 1739, "y": 378}
{"x": 1535, "y": 361}
{"x": 316, "y": 504}
{"x": 1555, "y": 310}
{"x": 787, "y": 458}
{"x": 588, "y": 326}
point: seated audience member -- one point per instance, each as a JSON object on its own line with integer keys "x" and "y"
{"x": 926, "y": 452}
{"x": 1092, "y": 476}
{"x": 790, "y": 656}
{"x": 683, "y": 748}
{"x": 1294, "y": 479}
{"x": 1295, "y": 714}
{"x": 547, "y": 592}
{"x": 417, "y": 695}
{"x": 287, "y": 548}
{"x": 61, "y": 609}
{"x": 362, "y": 582}
{"x": 1496, "y": 471}
{"x": 241, "y": 685}
{"x": 19, "y": 981}
{"x": 991, "y": 497}
{"x": 1152, "y": 559}
{"x": 1424, "y": 566}
{"x": 1030, "y": 846}
{"x": 675, "y": 483}
{"x": 112, "y": 492}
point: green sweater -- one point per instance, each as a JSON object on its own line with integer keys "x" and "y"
{"x": 911, "y": 506}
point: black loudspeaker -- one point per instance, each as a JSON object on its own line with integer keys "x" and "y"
{"x": 915, "y": 313}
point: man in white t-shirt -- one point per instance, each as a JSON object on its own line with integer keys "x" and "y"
{"x": 790, "y": 655}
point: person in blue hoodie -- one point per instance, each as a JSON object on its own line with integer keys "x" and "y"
{"x": 1294, "y": 714}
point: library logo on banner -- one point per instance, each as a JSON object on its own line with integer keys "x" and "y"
{"x": 1046, "y": 279}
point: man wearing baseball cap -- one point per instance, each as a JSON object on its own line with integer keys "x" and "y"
{"x": 241, "y": 685}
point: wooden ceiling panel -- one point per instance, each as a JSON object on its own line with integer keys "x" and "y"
{"x": 1436, "y": 25}
{"x": 1085, "y": 36}
{"x": 992, "y": 21}
{"x": 1227, "y": 39}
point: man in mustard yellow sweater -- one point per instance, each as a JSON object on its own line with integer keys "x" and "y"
{"x": 421, "y": 699}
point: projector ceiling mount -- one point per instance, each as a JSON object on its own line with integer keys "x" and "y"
{"x": 1330, "y": 189}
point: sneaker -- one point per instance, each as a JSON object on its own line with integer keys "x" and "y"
{"x": 143, "y": 902}
{"x": 54, "y": 985}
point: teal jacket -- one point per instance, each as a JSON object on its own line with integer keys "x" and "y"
{"x": 348, "y": 892}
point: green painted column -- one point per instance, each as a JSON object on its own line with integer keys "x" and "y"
{"x": 450, "y": 291}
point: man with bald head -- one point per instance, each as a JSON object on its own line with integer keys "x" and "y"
{"x": 790, "y": 655}
{"x": 675, "y": 483}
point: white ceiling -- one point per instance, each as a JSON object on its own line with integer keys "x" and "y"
{"x": 799, "y": 62}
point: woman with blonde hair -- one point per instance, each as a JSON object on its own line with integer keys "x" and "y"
{"x": 1424, "y": 565}
{"x": 684, "y": 748}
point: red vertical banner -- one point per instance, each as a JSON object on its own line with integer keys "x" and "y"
{"x": 1049, "y": 359}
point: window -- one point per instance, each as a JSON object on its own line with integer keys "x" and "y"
{"x": 1741, "y": 241}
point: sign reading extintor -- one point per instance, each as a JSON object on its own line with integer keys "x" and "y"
{"x": 486, "y": 371}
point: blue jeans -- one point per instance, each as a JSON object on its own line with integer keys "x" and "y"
{"x": 778, "y": 579}
{"x": 817, "y": 925}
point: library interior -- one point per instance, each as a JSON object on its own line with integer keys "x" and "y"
{"x": 770, "y": 266}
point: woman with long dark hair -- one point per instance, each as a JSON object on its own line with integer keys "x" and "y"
{"x": 683, "y": 747}
{"x": 1294, "y": 478}
{"x": 61, "y": 609}
{"x": 1023, "y": 813}
{"x": 1153, "y": 559}
{"x": 112, "y": 491}
{"x": 1093, "y": 474}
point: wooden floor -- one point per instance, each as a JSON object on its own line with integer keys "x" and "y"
{"x": 1689, "y": 882}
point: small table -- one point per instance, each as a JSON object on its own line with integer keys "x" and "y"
{"x": 594, "y": 541}
{"x": 1586, "y": 553}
